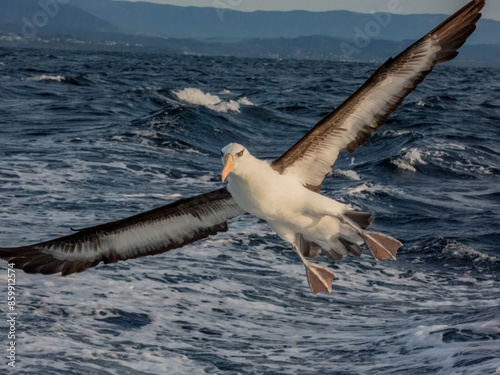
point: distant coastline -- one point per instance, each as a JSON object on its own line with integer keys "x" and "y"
{"x": 104, "y": 25}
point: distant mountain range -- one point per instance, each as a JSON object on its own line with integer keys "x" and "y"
{"x": 195, "y": 22}
{"x": 28, "y": 18}
{"x": 295, "y": 34}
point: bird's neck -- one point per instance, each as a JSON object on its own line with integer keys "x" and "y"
{"x": 252, "y": 169}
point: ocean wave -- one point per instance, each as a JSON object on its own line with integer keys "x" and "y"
{"x": 396, "y": 133}
{"x": 78, "y": 80}
{"x": 350, "y": 174}
{"x": 452, "y": 346}
{"x": 141, "y": 148}
{"x": 245, "y": 101}
{"x": 45, "y": 77}
{"x": 198, "y": 97}
{"x": 369, "y": 188}
{"x": 458, "y": 159}
{"x": 409, "y": 160}
{"x": 457, "y": 253}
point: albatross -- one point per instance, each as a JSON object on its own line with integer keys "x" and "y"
{"x": 284, "y": 192}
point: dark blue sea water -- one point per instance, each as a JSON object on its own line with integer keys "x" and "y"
{"x": 87, "y": 138}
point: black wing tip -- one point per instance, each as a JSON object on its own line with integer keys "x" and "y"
{"x": 463, "y": 20}
{"x": 18, "y": 256}
{"x": 31, "y": 259}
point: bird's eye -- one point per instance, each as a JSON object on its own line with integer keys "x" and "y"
{"x": 240, "y": 154}
{"x": 222, "y": 154}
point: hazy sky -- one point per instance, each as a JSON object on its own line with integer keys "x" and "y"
{"x": 492, "y": 9}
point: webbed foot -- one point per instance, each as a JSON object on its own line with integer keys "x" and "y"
{"x": 320, "y": 278}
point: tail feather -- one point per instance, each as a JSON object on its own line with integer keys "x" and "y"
{"x": 307, "y": 249}
{"x": 332, "y": 254}
{"x": 381, "y": 245}
{"x": 361, "y": 219}
{"x": 351, "y": 247}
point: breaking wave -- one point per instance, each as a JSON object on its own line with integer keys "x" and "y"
{"x": 198, "y": 97}
{"x": 45, "y": 77}
{"x": 409, "y": 160}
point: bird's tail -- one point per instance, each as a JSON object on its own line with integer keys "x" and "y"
{"x": 381, "y": 245}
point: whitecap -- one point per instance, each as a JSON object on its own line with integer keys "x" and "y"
{"x": 230, "y": 106}
{"x": 198, "y": 97}
{"x": 408, "y": 161}
{"x": 447, "y": 155}
{"x": 245, "y": 101}
{"x": 350, "y": 174}
{"x": 461, "y": 251}
{"x": 142, "y": 195}
{"x": 45, "y": 77}
{"x": 365, "y": 189}
{"x": 368, "y": 188}
{"x": 396, "y": 133}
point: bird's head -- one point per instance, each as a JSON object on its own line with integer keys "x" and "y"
{"x": 233, "y": 155}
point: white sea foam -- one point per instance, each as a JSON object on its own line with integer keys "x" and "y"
{"x": 447, "y": 155}
{"x": 427, "y": 344}
{"x": 142, "y": 195}
{"x": 409, "y": 160}
{"x": 245, "y": 101}
{"x": 369, "y": 188}
{"x": 363, "y": 189}
{"x": 396, "y": 133}
{"x": 45, "y": 77}
{"x": 230, "y": 106}
{"x": 461, "y": 251}
{"x": 198, "y": 97}
{"x": 350, "y": 174}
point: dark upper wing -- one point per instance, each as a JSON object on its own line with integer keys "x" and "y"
{"x": 162, "y": 229}
{"x": 352, "y": 123}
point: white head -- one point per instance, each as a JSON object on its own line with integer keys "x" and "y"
{"x": 233, "y": 156}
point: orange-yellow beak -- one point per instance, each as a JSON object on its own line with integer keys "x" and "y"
{"x": 228, "y": 167}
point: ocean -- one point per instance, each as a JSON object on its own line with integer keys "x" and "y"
{"x": 88, "y": 138}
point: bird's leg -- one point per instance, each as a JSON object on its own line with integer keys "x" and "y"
{"x": 320, "y": 278}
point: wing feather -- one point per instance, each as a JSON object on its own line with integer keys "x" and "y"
{"x": 353, "y": 122}
{"x": 153, "y": 232}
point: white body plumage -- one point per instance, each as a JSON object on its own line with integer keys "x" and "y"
{"x": 283, "y": 201}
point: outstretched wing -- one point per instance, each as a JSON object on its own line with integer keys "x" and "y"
{"x": 352, "y": 123}
{"x": 153, "y": 232}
